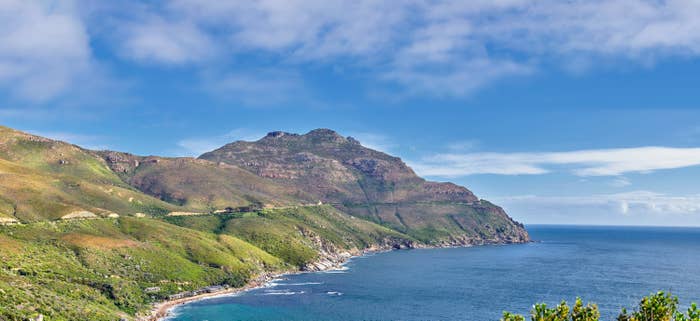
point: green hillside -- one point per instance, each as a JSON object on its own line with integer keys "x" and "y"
{"x": 88, "y": 235}
{"x": 43, "y": 179}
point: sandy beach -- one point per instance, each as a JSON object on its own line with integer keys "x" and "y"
{"x": 162, "y": 310}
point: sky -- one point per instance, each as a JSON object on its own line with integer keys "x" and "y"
{"x": 563, "y": 112}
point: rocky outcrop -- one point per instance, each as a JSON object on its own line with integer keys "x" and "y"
{"x": 79, "y": 215}
{"x": 8, "y": 221}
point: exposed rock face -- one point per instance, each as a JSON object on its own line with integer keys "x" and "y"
{"x": 335, "y": 169}
{"x": 330, "y": 257}
{"x": 372, "y": 185}
{"x": 121, "y": 162}
{"x": 8, "y": 220}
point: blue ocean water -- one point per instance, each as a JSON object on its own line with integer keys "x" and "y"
{"x": 611, "y": 266}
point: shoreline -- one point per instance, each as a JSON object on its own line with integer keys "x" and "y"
{"x": 163, "y": 309}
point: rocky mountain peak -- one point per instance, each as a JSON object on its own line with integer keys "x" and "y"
{"x": 324, "y": 134}
{"x": 277, "y": 134}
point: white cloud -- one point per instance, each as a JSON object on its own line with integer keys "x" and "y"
{"x": 195, "y": 146}
{"x": 453, "y": 78}
{"x": 600, "y": 162}
{"x": 632, "y": 208}
{"x": 44, "y": 49}
{"x": 447, "y": 48}
{"x": 620, "y": 182}
{"x": 443, "y": 48}
{"x": 157, "y": 40}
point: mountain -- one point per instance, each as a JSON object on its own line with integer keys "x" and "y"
{"x": 371, "y": 185}
{"x": 101, "y": 235}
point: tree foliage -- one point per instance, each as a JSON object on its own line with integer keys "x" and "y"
{"x": 661, "y": 306}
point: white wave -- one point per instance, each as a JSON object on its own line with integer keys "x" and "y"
{"x": 302, "y": 283}
{"x": 334, "y": 293}
{"x": 335, "y": 271}
{"x": 274, "y": 282}
{"x": 282, "y": 292}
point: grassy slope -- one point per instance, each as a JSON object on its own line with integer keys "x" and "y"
{"x": 45, "y": 179}
{"x": 297, "y": 234}
{"x": 473, "y": 224}
{"x": 98, "y": 269}
{"x": 200, "y": 184}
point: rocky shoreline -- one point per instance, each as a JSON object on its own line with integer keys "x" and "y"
{"x": 330, "y": 260}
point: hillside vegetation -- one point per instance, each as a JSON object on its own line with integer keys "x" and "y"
{"x": 43, "y": 179}
{"x": 660, "y": 306}
{"x": 101, "y": 235}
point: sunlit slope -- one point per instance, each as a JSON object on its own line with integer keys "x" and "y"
{"x": 46, "y": 179}
{"x": 101, "y": 269}
{"x": 298, "y": 235}
{"x": 200, "y": 184}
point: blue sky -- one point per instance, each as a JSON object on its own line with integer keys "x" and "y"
{"x": 581, "y": 112}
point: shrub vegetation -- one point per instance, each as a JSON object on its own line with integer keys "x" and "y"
{"x": 661, "y": 306}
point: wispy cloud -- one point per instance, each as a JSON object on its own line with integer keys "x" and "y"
{"x": 443, "y": 48}
{"x": 595, "y": 162}
{"x": 169, "y": 42}
{"x": 195, "y": 146}
{"x": 44, "y": 50}
{"x": 620, "y": 182}
{"x": 637, "y": 207}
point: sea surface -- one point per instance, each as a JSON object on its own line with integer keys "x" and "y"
{"x": 611, "y": 266}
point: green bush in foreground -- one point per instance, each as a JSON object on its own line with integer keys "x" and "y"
{"x": 661, "y": 306}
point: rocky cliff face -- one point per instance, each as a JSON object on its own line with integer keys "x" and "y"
{"x": 372, "y": 185}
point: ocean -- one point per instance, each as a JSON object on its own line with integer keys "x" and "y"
{"x": 611, "y": 266}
